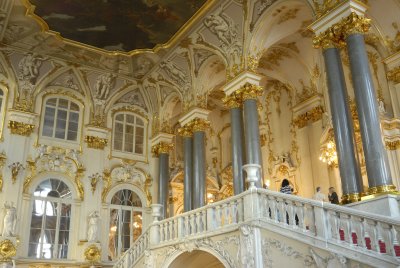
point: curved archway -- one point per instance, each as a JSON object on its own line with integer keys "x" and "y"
{"x": 196, "y": 259}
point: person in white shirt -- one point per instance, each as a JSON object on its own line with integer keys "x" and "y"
{"x": 319, "y": 196}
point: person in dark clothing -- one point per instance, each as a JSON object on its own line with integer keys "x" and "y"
{"x": 285, "y": 187}
{"x": 332, "y": 196}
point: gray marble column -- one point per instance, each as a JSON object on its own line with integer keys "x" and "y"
{"x": 163, "y": 183}
{"x": 187, "y": 172}
{"x": 199, "y": 170}
{"x": 237, "y": 149}
{"x": 343, "y": 126}
{"x": 376, "y": 159}
{"x": 252, "y": 134}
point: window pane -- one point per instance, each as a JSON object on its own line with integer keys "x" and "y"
{"x": 139, "y": 122}
{"x": 130, "y": 119}
{"x": 48, "y": 122}
{"x": 51, "y": 102}
{"x": 137, "y": 224}
{"x": 61, "y": 124}
{"x": 62, "y": 103}
{"x": 119, "y": 117}
{"x": 74, "y": 107}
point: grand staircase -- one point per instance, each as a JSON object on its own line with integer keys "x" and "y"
{"x": 262, "y": 228}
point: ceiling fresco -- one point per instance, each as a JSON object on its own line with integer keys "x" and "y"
{"x": 117, "y": 25}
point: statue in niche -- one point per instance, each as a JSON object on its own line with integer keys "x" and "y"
{"x": 381, "y": 107}
{"x": 103, "y": 86}
{"x": 29, "y": 67}
{"x": 10, "y": 220}
{"x": 174, "y": 72}
{"x": 93, "y": 229}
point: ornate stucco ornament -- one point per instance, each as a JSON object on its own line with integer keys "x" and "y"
{"x": 161, "y": 148}
{"x": 20, "y": 128}
{"x": 392, "y": 145}
{"x": 7, "y": 250}
{"x": 394, "y": 75}
{"x": 311, "y": 116}
{"x": 199, "y": 124}
{"x": 15, "y": 169}
{"x": 94, "y": 179}
{"x": 96, "y": 142}
{"x": 249, "y": 91}
{"x": 92, "y": 253}
{"x": 185, "y": 131}
{"x": 234, "y": 100}
{"x": 323, "y": 7}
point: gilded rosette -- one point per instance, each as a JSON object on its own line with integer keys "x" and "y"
{"x": 7, "y": 250}
{"x": 250, "y": 91}
{"x": 92, "y": 254}
{"x": 161, "y": 148}
{"x": 20, "y": 128}
{"x": 199, "y": 124}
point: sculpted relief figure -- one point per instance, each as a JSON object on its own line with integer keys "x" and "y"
{"x": 93, "y": 229}
{"x": 174, "y": 72}
{"x": 223, "y": 26}
{"x": 10, "y": 220}
{"x": 29, "y": 67}
{"x": 103, "y": 86}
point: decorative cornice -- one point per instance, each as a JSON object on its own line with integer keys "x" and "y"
{"x": 311, "y": 116}
{"x": 161, "y": 148}
{"x": 20, "y": 128}
{"x": 96, "y": 142}
{"x": 394, "y": 75}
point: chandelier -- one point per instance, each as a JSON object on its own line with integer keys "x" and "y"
{"x": 328, "y": 154}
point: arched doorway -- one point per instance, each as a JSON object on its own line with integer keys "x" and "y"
{"x": 196, "y": 259}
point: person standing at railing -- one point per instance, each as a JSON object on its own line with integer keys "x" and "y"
{"x": 285, "y": 187}
{"x": 332, "y": 196}
{"x": 319, "y": 195}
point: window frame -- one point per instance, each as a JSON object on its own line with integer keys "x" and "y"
{"x": 120, "y": 209}
{"x": 129, "y": 155}
{"x": 58, "y": 141}
{"x": 68, "y": 201}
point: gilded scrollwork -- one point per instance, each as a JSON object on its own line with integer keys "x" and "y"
{"x": 55, "y": 159}
{"x": 311, "y": 116}
{"x": 2, "y": 162}
{"x": 394, "y": 75}
{"x": 94, "y": 179}
{"x": 15, "y": 169}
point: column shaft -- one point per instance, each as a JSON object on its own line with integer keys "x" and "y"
{"x": 199, "y": 170}
{"x": 237, "y": 149}
{"x": 342, "y": 124}
{"x": 375, "y": 155}
{"x": 163, "y": 183}
{"x": 187, "y": 173}
{"x": 252, "y": 135}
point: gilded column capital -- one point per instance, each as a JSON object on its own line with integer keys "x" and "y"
{"x": 394, "y": 75}
{"x": 185, "y": 131}
{"x": 199, "y": 124}
{"x": 161, "y": 148}
{"x": 234, "y": 100}
{"x": 250, "y": 91}
{"x": 331, "y": 38}
{"x": 20, "y": 128}
{"x": 354, "y": 24}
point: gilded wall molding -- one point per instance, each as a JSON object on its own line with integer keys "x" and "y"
{"x": 311, "y": 116}
{"x": 2, "y": 162}
{"x": 19, "y": 128}
{"x": 96, "y": 142}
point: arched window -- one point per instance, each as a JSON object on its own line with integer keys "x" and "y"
{"x": 129, "y": 134}
{"x": 50, "y": 221}
{"x": 61, "y": 119}
{"x": 125, "y": 222}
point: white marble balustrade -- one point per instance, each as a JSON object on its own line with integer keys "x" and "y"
{"x": 310, "y": 221}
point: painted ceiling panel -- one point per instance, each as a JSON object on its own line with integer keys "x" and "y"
{"x": 122, "y": 25}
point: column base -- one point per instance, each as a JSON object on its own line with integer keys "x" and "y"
{"x": 384, "y": 204}
{"x": 382, "y": 189}
{"x": 350, "y": 198}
